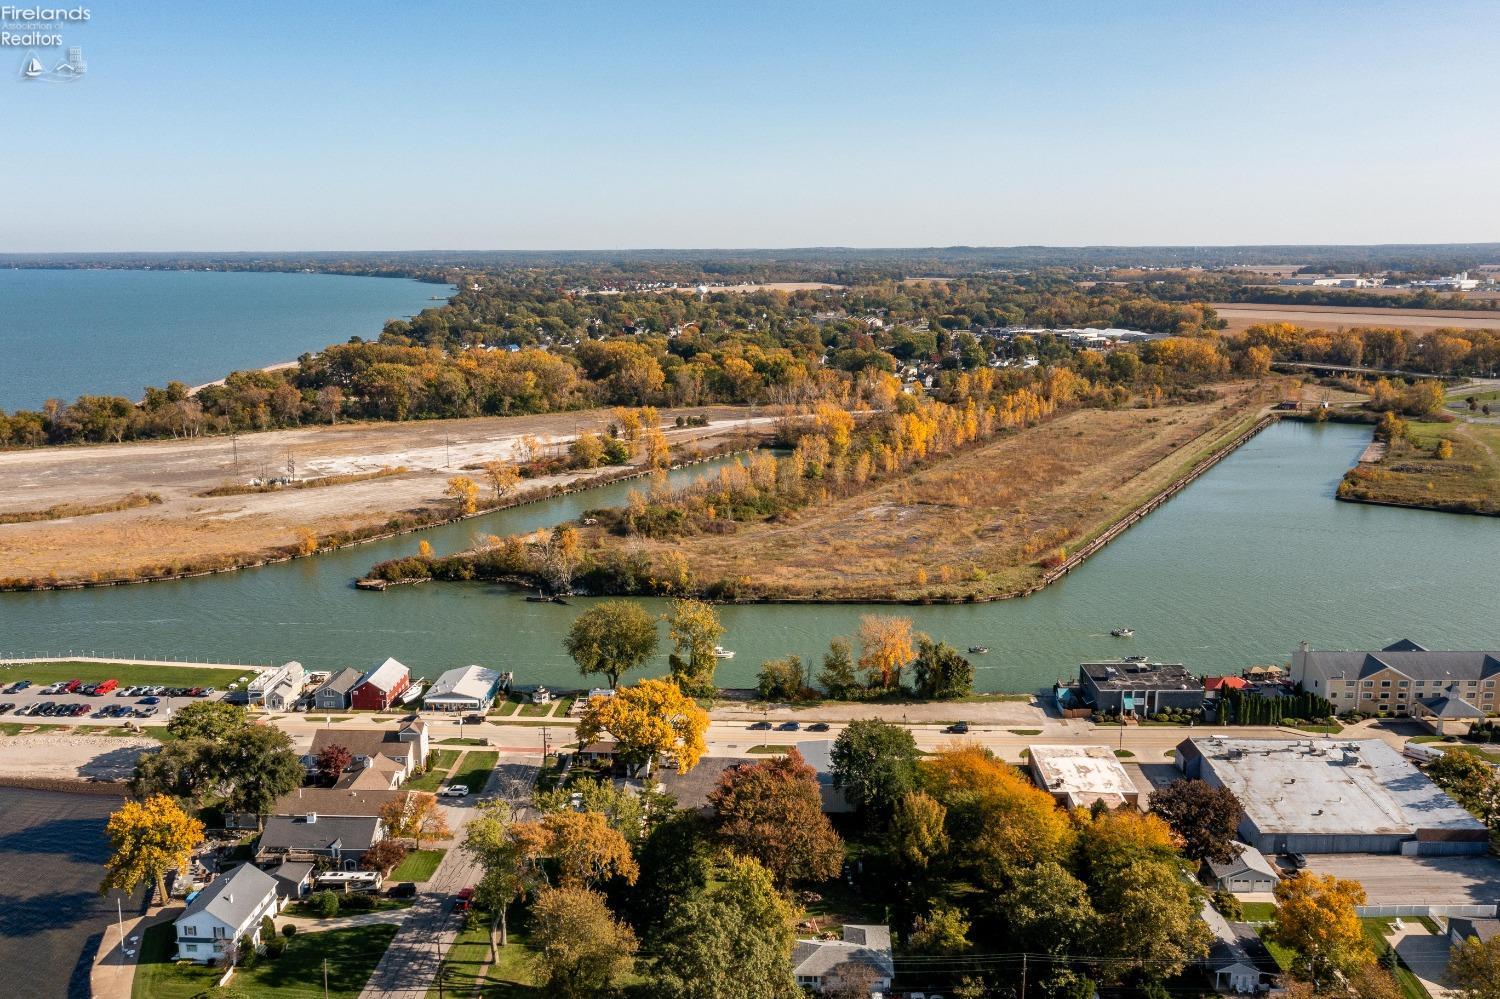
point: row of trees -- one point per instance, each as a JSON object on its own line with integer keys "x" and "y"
{"x": 1437, "y": 352}
{"x": 889, "y": 648}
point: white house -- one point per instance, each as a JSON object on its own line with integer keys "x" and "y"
{"x": 229, "y": 909}
{"x": 816, "y": 962}
{"x": 277, "y": 689}
{"x": 468, "y": 688}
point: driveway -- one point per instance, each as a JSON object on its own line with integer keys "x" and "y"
{"x": 1426, "y": 955}
{"x": 410, "y": 965}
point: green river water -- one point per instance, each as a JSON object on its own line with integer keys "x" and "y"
{"x": 1250, "y": 559}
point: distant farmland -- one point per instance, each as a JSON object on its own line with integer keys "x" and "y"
{"x": 1243, "y": 315}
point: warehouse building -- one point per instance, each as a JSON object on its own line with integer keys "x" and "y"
{"x": 1333, "y": 796}
{"x": 1078, "y": 776}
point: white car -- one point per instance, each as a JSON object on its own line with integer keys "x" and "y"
{"x": 455, "y": 791}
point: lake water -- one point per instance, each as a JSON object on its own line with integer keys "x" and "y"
{"x": 52, "y": 917}
{"x": 1253, "y": 557}
{"x": 64, "y": 333}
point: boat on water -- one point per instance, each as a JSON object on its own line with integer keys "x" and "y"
{"x": 722, "y": 653}
{"x": 542, "y": 598}
{"x": 1122, "y": 632}
{"x": 979, "y": 650}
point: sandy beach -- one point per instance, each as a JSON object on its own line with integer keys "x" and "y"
{"x": 72, "y": 757}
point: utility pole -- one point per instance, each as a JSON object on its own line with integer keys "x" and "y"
{"x": 325, "y": 978}
{"x": 234, "y": 441}
{"x": 1023, "y": 976}
{"x": 120, "y": 919}
{"x": 447, "y": 452}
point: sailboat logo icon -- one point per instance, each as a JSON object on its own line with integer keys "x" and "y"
{"x": 71, "y": 68}
{"x": 33, "y": 68}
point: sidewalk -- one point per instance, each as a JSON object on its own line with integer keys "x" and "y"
{"x": 113, "y": 974}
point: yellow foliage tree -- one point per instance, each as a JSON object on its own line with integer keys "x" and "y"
{"x": 147, "y": 839}
{"x": 587, "y": 849}
{"x": 885, "y": 647}
{"x": 307, "y": 541}
{"x": 465, "y": 492}
{"x": 503, "y": 477}
{"x": 424, "y": 548}
{"x": 1316, "y": 919}
{"x": 651, "y": 719}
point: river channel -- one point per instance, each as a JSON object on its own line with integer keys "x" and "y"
{"x": 1250, "y": 559}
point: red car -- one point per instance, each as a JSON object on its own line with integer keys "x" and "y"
{"x": 465, "y": 900}
{"x": 106, "y": 686}
{"x": 71, "y": 686}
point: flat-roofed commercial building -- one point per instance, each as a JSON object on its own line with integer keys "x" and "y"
{"x": 1078, "y": 776}
{"x": 1333, "y": 796}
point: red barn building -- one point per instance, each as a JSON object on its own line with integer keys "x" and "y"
{"x": 380, "y": 687}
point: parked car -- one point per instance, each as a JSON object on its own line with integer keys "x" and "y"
{"x": 18, "y": 686}
{"x": 79, "y": 710}
{"x": 958, "y": 728}
{"x": 406, "y": 889}
{"x": 71, "y": 686}
{"x": 818, "y": 727}
{"x": 455, "y": 791}
{"x": 150, "y": 700}
{"x": 761, "y": 726}
{"x": 464, "y": 900}
{"x": 106, "y": 686}
{"x": 144, "y": 712}
{"x": 5, "y": 708}
{"x": 207, "y": 692}
{"x": 1297, "y": 860}
{"x": 789, "y": 726}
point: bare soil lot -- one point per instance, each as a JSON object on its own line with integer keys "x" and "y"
{"x": 186, "y": 528}
{"x": 1241, "y": 316}
{"x": 976, "y": 524}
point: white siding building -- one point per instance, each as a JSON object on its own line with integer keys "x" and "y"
{"x": 225, "y": 911}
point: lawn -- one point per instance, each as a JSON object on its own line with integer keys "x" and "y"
{"x": 1282, "y": 955}
{"x": 465, "y": 741}
{"x": 432, "y": 779}
{"x": 505, "y": 708}
{"x": 769, "y": 749}
{"x": 464, "y": 966}
{"x": 536, "y": 710}
{"x": 419, "y": 865}
{"x": 1259, "y": 912}
{"x": 1410, "y": 474}
{"x": 298, "y": 974}
{"x": 1024, "y": 731}
{"x": 474, "y": 770}
{"x": 1375, "y": 927}
{"x": 129, "y": 675}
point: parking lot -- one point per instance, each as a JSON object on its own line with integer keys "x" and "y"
{"x": 1395, "y": 880}
{"x": 98, "y": 700}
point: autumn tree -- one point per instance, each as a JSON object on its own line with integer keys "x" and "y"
{"x": 332, "y": 761}
{"x": 587, "y": 850}
{"x": 508, "y": 855}
{"x": 917, "y": 837}
{"x": 773, "y": 811}
{"x": 147, "y": 839}
{"x": 582, "y": 950}
{"x": 649, "y": 720}
{"x": 850, "y": 980}
{"x": 587, "y": 451}
{"x": 837, "y": 677}
{"x": 695, "y": 632}
{"x": 731, "y": 938}
{"x": 384, "y": 856}
{"x": 415, "y": 815}
{"x": 561, "y": 557}
{"x": 465, "y": 492}
{"x": 1205, "y": 817}
{"x": 1474, "y": 968}
{"x": 628, "y": 812}
{"x": 885, "y": 648}
{"x": 613, "y": 637}
{"x": 942, "y": 673}
{"x": 502, "y": 476}
{"x": 1316, "y": 919}
{"x": 875, "y": 763}
{"x": 1160, "y": 914}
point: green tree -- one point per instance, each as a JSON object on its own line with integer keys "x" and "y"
{"x": 508, "y": 866}
{"x": 582, "y": 949}
{"x": 944, "y": 930}
{"x": 1156, "y": 918}
{"x": 675, "y": 863}
{"x": 1474, "y": 968}
{"x": 1463, "y": 775}
{"x": 838, "y": 676}
{"x": 695, "y": 632}
{"x": 875, "y": 763}
{"x": 1049, "y": 910}
{"x": 730, "y": 940}
{"x": 917, "y": 836}
{"x": 779, "y": 679}
{"x": 1205, "y": 817}
{"x": 259, "y": 765}
{"x": 207, "y": 720}
{"x": 613, "y": 637}
{"x": 942, "y": 673}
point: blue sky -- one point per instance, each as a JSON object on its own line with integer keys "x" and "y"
{"x": 537, "y": 125}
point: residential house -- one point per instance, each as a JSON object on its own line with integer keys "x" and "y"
{"x": 380, "y": 687}
{"x": 1461, "y": 928}
{"x": 277, "y": 689}
{"x": 1238, "y": 962}
{"x": 294, "y": 879}
{"x": 1393, "y": 680}
{"x": 468, "y": 688}
{"x": 228, "y": 910}
{"x": 1248, "y": 872}
{"x": 407, "y": 746}
{"x": 333, "y": 695}
{"x": 815, "y": 963}
{"x": 334, "y": 801}
{"x": 341, "y": 839}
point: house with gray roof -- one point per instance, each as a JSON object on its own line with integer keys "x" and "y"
{"x": 333, "y": 695}
{"x": 343, "y": 839}
{"x": 227, "y": 910}
{"x": 1249, "y": 871}
{"x": 816, "y": 963}
{"x": 1401, "y": 679}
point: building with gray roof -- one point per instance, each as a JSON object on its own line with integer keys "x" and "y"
{"x": 1138, "y": 686}
{"x": 226, "y": 911}
{"x": 333, "y": 695}
{"x": 1390, "y": 681}
{"x": 815, "y": 963}
{"x": 342, "y": 839}
{"x": 1333, "y": 796}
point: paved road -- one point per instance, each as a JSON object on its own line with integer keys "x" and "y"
{"x": 410, "y": 965}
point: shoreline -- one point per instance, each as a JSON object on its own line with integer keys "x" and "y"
{"x": 1108, "y": 534}
{"x": 382, "y": 532}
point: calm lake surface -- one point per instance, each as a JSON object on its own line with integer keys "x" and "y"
{"x": 52, "y": 917}
{"x": 1253, "y": 557}
{"x": 64, "y": 333}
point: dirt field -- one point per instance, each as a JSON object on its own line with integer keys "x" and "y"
{"x": 1242, "y": 316}
{"x": 186, "y": 527}
{"x": 978, "y": 523}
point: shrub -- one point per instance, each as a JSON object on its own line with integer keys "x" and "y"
{"x": 325, "y": 904}
{"x": 289, "y": 931}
